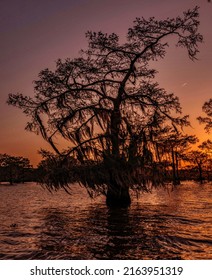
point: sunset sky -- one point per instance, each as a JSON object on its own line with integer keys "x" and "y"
{"x": 35, "y": 33}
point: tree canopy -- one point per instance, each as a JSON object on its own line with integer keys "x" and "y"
{"x": 12, "y": 168}
{"x": 207, "y": 109}
{"x": 107, "y": 104}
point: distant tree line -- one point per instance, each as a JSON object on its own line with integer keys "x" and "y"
{"x": 178, "y": 162}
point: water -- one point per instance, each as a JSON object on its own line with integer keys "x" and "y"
{"x": 35, "y": 224}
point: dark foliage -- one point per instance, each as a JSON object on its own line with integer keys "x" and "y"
{"x": 14, "y": 169}
{"x": 207, "y": 109}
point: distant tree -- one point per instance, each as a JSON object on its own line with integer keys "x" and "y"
{"x": 106, "y": 104}
{"x": 207, "y": 108}
{"x": 198, "y": 159}
{"x": 174, "y": 147}
{"x": 201, "y": 160}
{"x": 13, "y": 168}
{"x": 206, "y": 148}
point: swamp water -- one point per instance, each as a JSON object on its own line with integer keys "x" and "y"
{"x": 35, "y": 224}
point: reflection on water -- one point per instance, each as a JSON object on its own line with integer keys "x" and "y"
{"x": 38, "y": 225}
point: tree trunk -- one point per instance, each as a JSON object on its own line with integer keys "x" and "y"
{"x": 118, "y": 197}
{"x": 200, "y": 173}
{"x": 115, "y": 126}
{"x": 177, "y": 169}
{"x": 174, "y": 177}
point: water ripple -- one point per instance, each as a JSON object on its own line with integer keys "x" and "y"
{"x": 38, "y": 225}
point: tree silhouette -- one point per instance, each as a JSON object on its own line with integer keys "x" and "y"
{"x": 200, "y": 162}
{"x": 13, "y": 168}
{"x": 173, "y": 148}
{"x": 206, "y": 148}
{"x": 198, "y": 159}
{"x": 207, "y": 108}
{"x": 107, "y": 105}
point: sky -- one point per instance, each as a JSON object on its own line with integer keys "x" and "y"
{"x": 35, "y": 33}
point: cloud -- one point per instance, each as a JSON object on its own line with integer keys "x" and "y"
{"x": 184, "y": 84}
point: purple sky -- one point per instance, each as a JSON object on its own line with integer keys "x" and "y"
{"x": 35, "y": 33}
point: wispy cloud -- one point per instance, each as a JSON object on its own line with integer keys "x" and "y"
{"x": 184, "y": 84}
